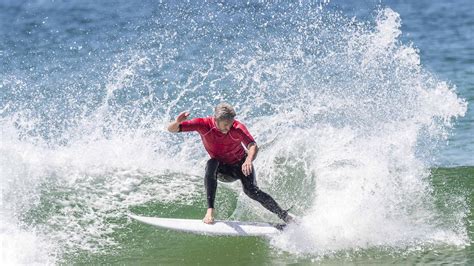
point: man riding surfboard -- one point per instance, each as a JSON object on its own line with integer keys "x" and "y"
{"x": 223, "y": 138}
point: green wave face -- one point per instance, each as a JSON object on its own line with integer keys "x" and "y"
{"x": 131, "y": 242}
{"x": 348, "y": 118}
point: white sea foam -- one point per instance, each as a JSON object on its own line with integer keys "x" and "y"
{"x": 371, "y": 186}
{"x": 345, "y": 115}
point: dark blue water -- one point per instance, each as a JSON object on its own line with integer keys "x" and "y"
{"x": 61, "y": 47}
{"x": 443, "y": 31}
{"x": 352, "y": 104}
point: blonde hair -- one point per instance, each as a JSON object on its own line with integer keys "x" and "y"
{"x": 224, "y": 111}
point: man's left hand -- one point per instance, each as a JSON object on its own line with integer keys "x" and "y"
{"x": 247, "y": 167}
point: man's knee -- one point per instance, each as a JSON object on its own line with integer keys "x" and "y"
{"x": 253, "y": 192}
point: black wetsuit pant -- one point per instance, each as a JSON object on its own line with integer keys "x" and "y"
{"x": 232, "y": 172}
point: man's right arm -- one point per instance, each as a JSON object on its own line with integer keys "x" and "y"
{"x": 174, "y": 126}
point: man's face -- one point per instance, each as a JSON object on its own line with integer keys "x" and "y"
{"x": 224, "y": 125}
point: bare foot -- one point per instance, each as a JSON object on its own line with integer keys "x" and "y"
{"x": 209, "y": 218}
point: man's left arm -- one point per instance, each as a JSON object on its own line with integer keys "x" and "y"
{"x": 252, "y": 151}
{"x": 251, "y": 155}
{"x": 252, "y": 148}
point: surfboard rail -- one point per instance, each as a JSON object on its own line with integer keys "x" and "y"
{"x": 219, "y": 227}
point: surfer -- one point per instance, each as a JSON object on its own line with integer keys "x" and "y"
{"x": 224, "y": 139}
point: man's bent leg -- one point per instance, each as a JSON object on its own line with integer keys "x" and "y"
{"x": 251, "y": 189}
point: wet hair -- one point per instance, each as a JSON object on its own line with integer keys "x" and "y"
{"x": 224, "y": 111}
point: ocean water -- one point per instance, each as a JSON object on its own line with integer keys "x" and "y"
{"x": 362, "y": 112}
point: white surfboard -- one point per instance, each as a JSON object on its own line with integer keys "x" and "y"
{"x": 229, "y": 228}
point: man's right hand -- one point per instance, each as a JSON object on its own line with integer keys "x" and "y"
{"x": 182, "y": 117}
{"x": 174, "y": 126}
